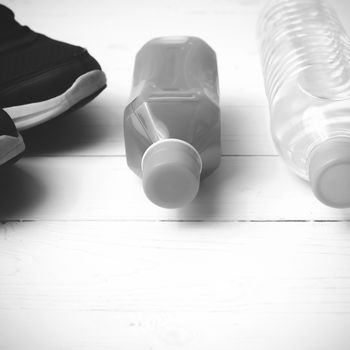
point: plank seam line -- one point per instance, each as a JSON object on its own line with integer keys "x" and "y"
{"x": 37, "y": 155}
{"x": 5, "y": 221}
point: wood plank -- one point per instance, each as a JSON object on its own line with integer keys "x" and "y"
{"x": 97, "y": 129}
{"x": 161, "y": 266}
{"x": 95, "y": 188}
{"x": 174, "y": 285}
{"x": 76, "y": 330}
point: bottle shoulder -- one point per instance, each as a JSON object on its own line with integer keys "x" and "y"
{"x": 173, "y": 98}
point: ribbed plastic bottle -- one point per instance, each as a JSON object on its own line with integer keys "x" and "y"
{"x": 172, "y": 123}
{"x": 306, "y": 62}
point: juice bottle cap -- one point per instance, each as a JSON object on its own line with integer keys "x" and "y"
{"x": 329, "y": 171}
{"x": 171, "y": 171}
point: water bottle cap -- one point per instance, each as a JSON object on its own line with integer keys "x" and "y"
{"x": 171, "y": 173}
{"x": 329, "y": 172}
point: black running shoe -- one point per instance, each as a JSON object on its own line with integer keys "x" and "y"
{"x": 11, "y": 143}
{"x": 42, "y": 78}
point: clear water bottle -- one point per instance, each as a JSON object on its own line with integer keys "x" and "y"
{"x": 172, "y": 123}
{"x": 306, "y": 62}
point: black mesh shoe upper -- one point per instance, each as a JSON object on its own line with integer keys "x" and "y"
{"x": 7, "y": 126}
{"x": 34, "y": 67}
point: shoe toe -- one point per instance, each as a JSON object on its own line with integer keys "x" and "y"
{"x": 48, "y": 78}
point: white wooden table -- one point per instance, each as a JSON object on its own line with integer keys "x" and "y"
{"x": 87, "y": 262}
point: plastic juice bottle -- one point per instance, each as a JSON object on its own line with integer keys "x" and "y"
{"x": 306, "y": 62}
{"x": 172, "y": 123}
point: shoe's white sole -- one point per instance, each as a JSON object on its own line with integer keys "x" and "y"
{"x": 10, "y": 148}
{"x": 29, "y": 115}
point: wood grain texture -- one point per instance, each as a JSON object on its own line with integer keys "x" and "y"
{"x": 165, "y": 285}
{"x": 225, "y": 267}
{"x": 103, "y": 188}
